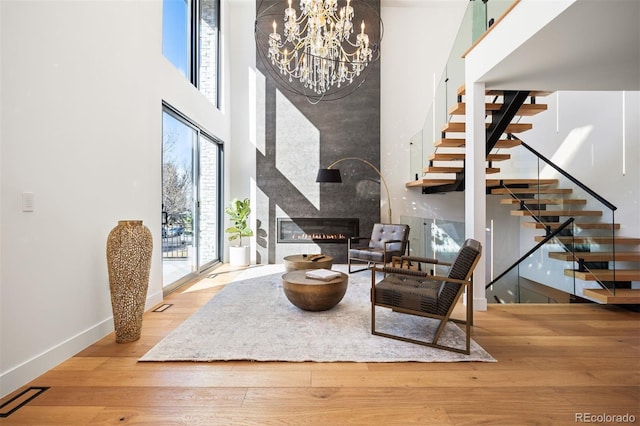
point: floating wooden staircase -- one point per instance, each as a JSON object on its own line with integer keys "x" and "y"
{"x": 591, "y": 252}
{"x": 547, "y": 204}
{"x": 445, "y": 171}
{"x": 540, "y": 200}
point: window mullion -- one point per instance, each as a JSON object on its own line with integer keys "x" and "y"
{"x": 195, "y": 41}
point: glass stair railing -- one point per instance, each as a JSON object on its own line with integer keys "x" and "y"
{"x": 476, "y": 21}
{"x": 578, "y": 251}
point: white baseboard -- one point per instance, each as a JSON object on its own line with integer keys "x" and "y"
{"x": 30, "y": 369}
{"x": 480, "y": 304}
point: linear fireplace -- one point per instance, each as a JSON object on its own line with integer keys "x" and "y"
{"x": 316, "y": 230}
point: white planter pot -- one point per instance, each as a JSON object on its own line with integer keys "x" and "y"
{"x": 239, "y": 256}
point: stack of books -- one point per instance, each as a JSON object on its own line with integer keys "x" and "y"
{"x": 322, "y": 274}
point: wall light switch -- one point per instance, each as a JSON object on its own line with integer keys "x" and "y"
{"x": 28, "y": 202}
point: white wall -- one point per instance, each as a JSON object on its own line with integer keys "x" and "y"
{"x": 582, "y": 132}
{"x": 241, "y": 158}
{"x": 81, "y": 127}
{"x": 418, "y": 37}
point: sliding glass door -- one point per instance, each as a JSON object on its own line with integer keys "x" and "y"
{"x": 191, "y": 188}
{"x": 209, "y": 206}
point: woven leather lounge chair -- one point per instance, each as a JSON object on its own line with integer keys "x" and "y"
{"x": 415, "y": 292}
{"x": 386, "y": 241}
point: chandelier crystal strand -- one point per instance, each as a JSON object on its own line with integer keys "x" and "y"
{"x": 316, "y": 47}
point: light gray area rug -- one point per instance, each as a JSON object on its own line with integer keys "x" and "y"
{"x": 251, "y": 319}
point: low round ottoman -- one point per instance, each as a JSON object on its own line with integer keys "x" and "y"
{"x": 311, "y": 294}
{"x": 302, "y": 261}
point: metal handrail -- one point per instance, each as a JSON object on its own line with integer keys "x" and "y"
{"x": 567, "y": 175}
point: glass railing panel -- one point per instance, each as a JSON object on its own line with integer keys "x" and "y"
{"x": 445, "y": 91}
{"x": 445, "y": 95}
{"x": 473, "y": 25}
{"x": 480, "y": 21}
{"x": 529, "y": 295}
{"x": 495, "y": 9}
{"x": 416, "y": 155}
{"x": 435, "y": 238}
{"x": 453, "y": 75}
{"x": 441, "y": 104}
{"x": 533, "y": 277}
{"x": 417, "y": 235}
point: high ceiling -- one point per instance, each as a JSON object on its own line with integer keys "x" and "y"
{"x": 592, "y": 45}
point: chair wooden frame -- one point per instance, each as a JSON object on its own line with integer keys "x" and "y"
{"x": 417, "y": 275}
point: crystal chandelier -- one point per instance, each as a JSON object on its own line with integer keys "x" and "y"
{"x": 320, "y": 52}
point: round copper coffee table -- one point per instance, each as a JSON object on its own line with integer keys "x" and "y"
{"x": 301, "y": 261}
{"x": 311, "y": 294}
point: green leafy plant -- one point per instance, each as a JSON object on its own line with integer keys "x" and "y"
{"x": 238, "y": 212}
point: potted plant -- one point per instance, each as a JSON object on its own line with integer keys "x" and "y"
{"x": 238, "y": 212}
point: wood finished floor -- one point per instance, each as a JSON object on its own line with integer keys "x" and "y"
{"x": 553, "y": 361}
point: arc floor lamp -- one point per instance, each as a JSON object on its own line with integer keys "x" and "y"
{"x": 331, "y": 175}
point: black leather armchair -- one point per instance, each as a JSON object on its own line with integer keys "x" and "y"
{"x": 386, "y": 241}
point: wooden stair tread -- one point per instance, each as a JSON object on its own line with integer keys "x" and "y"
{"x": 456, "y": 156}
{"x": 442, "y": 169}
{"x": 460, "y": 143}
{"x": 622, "y": 296}
{"x": 531, "y": 191}
{"x": 508, "y": 182}
{"x": 594, "y": 240}
{"x": 597, "y": 256}
{"x": 491, "y": 92}
{"x": 460, "y": 127}
{"x": 556, "y": 213}
{"x": 605, "y": 274}
{"x": 554, "y": 201}
{"x": 525, "y": 110}
{"x": 450, "y": 143}
{"x": 429, "y": 183}
{"x": 554, "y": 225}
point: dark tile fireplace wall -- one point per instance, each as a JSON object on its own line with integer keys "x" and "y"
{"x": 348, "y": 127}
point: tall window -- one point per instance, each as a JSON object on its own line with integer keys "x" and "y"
{"x": 208, "y": 48}
{"x": 191, "y": 188}
{"x": 176, "y": 43}
{"x": 190, "y": 40}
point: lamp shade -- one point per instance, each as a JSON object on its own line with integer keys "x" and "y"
{"x": 329, "y": 176}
